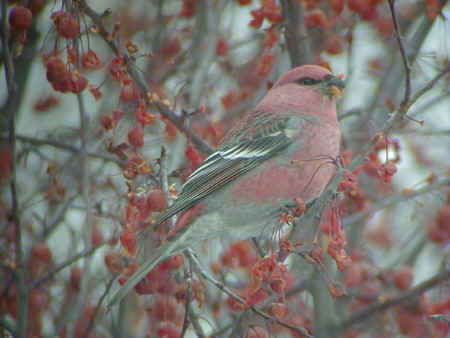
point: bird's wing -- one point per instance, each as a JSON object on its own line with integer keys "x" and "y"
{"x": 248, "y": 150}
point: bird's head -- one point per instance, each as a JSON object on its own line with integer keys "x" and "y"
{"x": 312, "y": 76}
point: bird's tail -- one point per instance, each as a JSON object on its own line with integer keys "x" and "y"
{"x": 160, "y": 254}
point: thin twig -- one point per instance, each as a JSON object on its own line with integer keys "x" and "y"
{"x": 166, "y": 111}
{"x": 193, "y": 258}
{"x": 98, "y": 307}
{"x": 64, "y": 146}
{"x": 87, "y": 224}
{"x": 10, "y": 112}
{"x": 189, "y": 314}
{"x": 429, "y": 85}
{"x": 370, "y": 310}
{"x": 388, "y": 85}
{"x": 407, "y": 96}
{"x": 163, "y": 174}
{"x": 204, "y": 50}
{"x": 393, "y": 199}
{"x": 50, "y": 274}
{"x": 426, "y": 132}
{"x": 351, "y": 112}
{"x": 59, "y": 218}
{"x": 427, "y": 106}
{"x": 188, "y": 279}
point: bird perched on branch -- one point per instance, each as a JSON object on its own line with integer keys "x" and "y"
{"x": 278, "y": 151}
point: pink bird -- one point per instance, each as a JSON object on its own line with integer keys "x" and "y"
{"x": 279, "y": 151}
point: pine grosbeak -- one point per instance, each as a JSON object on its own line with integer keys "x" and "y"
{"x": 279, "y": 151}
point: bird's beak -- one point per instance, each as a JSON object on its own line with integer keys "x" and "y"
{"x": 335, "y": 86}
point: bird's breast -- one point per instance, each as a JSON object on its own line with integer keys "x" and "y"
{"x": 303, "y": 170}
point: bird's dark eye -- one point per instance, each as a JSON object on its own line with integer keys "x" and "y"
{"x": 307, "y": 81}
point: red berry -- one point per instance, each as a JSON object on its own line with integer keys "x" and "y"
{"x": 278, "y": 310}
{"x": 221, "y": 47}
{"x": 90, "y": 60}
{"x": 96, "y": 236}
{"x": 193, "y": 156}
{"x": 165, "y": 307}
{"x": 157, "y": 201}
{"x": 75, "y": 278}
{"x": 20, "y": 18}
{"x": 79, "y": 83}
{"x": 170, "y": 48}
{"x": 403, "y": 277}
{"x": 333, "y": 45}
{"x": 136, "y": 136}
{"x": 257, "y": 332}
{"x": 337, "y": 5}
{"x": 168, "y": 330}
{"x": 36, "y": 5}
{"x": 95, "y": 91}
{"x": 229, "y": 99}
{"x": 113, "y": 262}
{"x": 266, "y": 64}
{"x": 188, "y": 9}
{"x": 258, "y": 18}
{"x": 41, "y": 252}
{"x": 432, "y": 8}
{"x": 5, "y": 162}
{"x": 170, "y": 130}
{"x": 439, "y": 229}
{"x": 58, "y": 75}
{"x": 66, "y": 25}
{"x": 107, "y": 122}
{"x": 45, "y": 103}
{"x": 316, "y": 18}
{"x": 129, "y": 93}
{"x": 175, "y": 262}
{"x": 128, "y": 240}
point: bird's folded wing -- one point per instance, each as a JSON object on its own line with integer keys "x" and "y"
{"x": 228, "y": 163}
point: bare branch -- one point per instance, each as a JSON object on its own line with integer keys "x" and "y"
{"x": 50, "y": 274}
{"x": 193, "y": 258}
{"x": 98, "y": 307}
{"x": 380, "y": 306}
{"x": 296, "y": 35}
{"x": 67, "y": 147}
{"x": 393, "y": 199}
{"x": 87, "y": 224}
{"x": 189, "y": 314}
{"x": 10, "y": 112}
{"x": 406, "y": 65}
{"x": 429, "y": 85}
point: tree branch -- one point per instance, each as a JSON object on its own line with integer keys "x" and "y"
{"x": 393, "y": 199}
{"x": 86, "y": 230}
{"x": 64, "y": 146}
{"x": 14, "y": 218}
{"x": 193, "y": 258}
{"x": 142, "y": 84}
{"x": 50, "y": 274}
{"x": 98, "y": 307}
{"x": 296, "y": 35}
{"x": 370, "y": 310}
{"x": 401, "y": 45}
{"x": 429, "y": 85}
